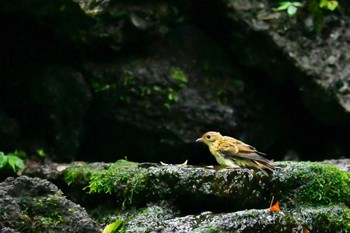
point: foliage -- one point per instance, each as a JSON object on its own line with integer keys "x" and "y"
{"x": 329, "y": 4}
{"x": 179, "y": 76}
{"x": 41, "y": 153}
{"x": 290, "y": 7}
{"x": 12, "y": 160}
{"x": 114, "y": 227}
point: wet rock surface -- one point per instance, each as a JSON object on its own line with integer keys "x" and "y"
{"x": 33, "y": 205}
{"x": 245, "y": 221}
{"x": 237, "y": 200}
{"x": 343, "y": 164}
{"x": 152, "y": 197}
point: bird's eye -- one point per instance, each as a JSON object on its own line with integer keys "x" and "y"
{"x": 208, "y": 136}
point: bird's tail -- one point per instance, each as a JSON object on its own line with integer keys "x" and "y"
{"x": 262, "y": 166}
{"x": 260, "y": 153}
{"x": 258, "y": 162}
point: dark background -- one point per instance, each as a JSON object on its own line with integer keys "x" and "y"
{"x": 144, "y": 80}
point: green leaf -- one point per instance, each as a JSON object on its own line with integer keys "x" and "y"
{"x": 113, "y": 227}
{"x": 323, "y": 3}
{"x": 3, "y": 160}
{"x": 283, "y": 6}
{"x": 329, "y": 4}
{"x": 291, "y": 7}
{"x": 15, "y": 162}
{"x": 292, "y": 10}
{"x": 332, "y": 5}
{"x": 41, "y": 153}
{"x": 179, "y": 75}
{"x": 297, "y": 4}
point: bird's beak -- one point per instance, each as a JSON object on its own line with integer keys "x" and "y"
{"x": 199, "y": 140}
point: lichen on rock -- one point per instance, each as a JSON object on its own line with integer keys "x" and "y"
{"x": 36, "y": 205}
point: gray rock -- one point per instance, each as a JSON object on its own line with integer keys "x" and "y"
{"x": 320, "y": 59}
{"x": 33, "y": 205}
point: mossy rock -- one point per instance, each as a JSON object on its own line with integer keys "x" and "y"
{"x": 315, "y": 219}
{"x": 311, "y": 195}
{"x": 36, "y": 205}
{"x": 294, "y": 184}
{"x": 309, "y": 183}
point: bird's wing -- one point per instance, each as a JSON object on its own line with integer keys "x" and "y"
{"x": 229, "y": 149}
{"x": 253, "y": 156}
{"x": 245, "y": 148}
{"x": 242, "y": 147}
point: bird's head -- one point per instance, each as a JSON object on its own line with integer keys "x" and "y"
{"x": 209, "y": 137}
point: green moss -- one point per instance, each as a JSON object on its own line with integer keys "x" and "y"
{"x": 157, "y": 85}
{"x": 122, "y": 176}
{"x": 309, "y": 183}
{"x": 338, "y": 220}
{"x": 297, "y": 184}
{"x": 311, "y": 195}
{"x": 52, "y": 219}
{"x": 333, "y": 218}
{"x": 141, "y": 84}
{"x": 42, "y": 213}
{"x": 79, "y": 174}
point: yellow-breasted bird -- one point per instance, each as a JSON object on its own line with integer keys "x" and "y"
{"x": 231, "y": 152}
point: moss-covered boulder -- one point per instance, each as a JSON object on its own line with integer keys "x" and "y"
{"x": 36, "y": 205}
{"x": 294, "y": 184}
{"x": 314, "y": 219}
{"x": 311, "y": 195}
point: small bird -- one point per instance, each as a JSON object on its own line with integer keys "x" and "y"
{"x": 231, "y": 152}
